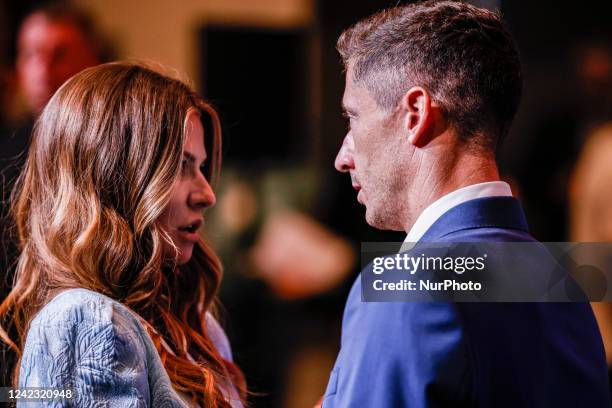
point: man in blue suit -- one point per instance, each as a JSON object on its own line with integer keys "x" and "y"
{"x": 431, "y": 91}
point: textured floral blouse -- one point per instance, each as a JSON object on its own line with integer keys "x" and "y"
{"x": 95, "y": 346}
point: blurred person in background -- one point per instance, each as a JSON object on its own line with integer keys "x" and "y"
{"x": 557, "y": 137}
{"x": 431, "y": 91}
{"x": 590, "y": 199}
{"x": 54, "y": 42}
{"x": 569, "y": 192}
{"x": 115, "y": 287}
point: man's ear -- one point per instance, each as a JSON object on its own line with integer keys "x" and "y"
{"x": 417, "y": 105}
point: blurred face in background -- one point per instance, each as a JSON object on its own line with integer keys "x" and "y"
{"x": 48, "y": 53}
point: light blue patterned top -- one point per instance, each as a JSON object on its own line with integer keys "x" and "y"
{"x": 94, "y": 345}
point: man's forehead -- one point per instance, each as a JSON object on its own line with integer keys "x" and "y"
{"x": 356, "y": 96}
{"x": 347, "y": 105}
{"x": 349, "y": 89}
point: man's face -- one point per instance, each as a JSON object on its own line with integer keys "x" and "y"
{"x": 49, "y": 52}
{"x": 372, "y": 153}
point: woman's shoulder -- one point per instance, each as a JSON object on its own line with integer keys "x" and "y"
{"x": 85, "y": 340}
{"x": 76, "y": 306}
{"x": 83, "y": 318}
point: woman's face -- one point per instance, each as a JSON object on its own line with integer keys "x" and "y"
{"x": 183, "y": 216}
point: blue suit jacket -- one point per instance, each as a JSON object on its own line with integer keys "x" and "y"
{"x": 443, "y": 354}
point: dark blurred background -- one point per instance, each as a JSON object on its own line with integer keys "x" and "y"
{"x": 286, "y": 225}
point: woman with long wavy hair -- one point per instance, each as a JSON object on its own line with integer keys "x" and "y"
{"x": 115, "y": 288}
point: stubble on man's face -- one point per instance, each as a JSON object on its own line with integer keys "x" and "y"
{"x": 379, "y": 169}
{"x": 384, "y": 182}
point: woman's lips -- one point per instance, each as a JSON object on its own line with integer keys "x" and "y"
{"x": 189, "y": 236}
{"x": 190, "y": 231}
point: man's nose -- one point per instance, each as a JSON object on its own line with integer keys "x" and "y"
{"x": 344, "y": 160}
{"x": 203, "y": 195}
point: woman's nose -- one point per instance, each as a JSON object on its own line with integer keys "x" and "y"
{"x": 203, "y": 196}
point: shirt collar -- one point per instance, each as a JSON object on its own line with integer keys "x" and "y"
{"x": 452, "y": 199}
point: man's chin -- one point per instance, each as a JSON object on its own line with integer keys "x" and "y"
{"x": 373, "y": 220}
{"x": 381, "y": 220}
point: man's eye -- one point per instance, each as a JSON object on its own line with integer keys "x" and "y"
{"x": 349, "y": 122}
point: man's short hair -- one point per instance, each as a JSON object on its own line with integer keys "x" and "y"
{"x": 463, "y": 55}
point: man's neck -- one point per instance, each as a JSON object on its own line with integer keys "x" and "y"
{"x": 467, "y": 169}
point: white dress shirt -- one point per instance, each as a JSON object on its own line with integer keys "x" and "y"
{"x": 453, "y": 199}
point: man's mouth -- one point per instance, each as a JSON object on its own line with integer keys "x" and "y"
{"x": 354, "y": 182}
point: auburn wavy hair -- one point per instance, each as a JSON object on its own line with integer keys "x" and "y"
{"x": 105, "y": 155}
